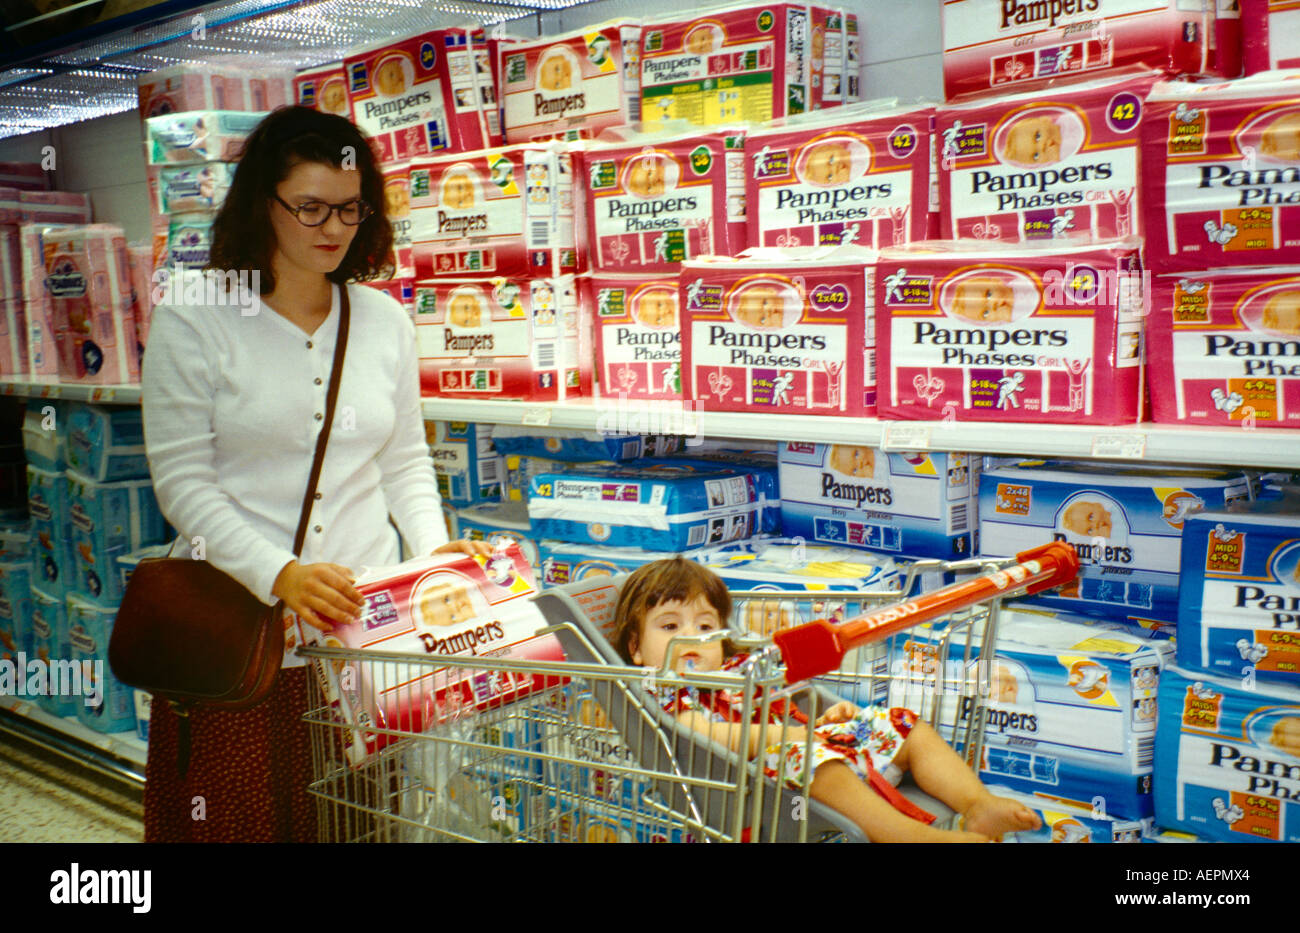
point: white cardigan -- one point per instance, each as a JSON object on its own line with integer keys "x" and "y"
{"x": 232, "y": 407}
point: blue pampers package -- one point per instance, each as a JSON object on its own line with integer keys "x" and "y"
{"x": 15, "y": 609}
{"x": 45, "y": 433}
{"x": 518, "y": 472}
{"x": 780, "y": 565}
{"x": 50, "y": 644}
{"x": 1228, "y": 758}
{"x": 107, "y": 705}
{"x": 51, "y": 546}
{"x": 109, "y": 520}
{"x": 657, "y": 507}
{"x": 763, "y": 467}
{"x": 575, "y": 446}
{"x": 906, "y": 505}
{"x": 1071, "y": 712}
{"x": 467, "y": 467}
{"x": 106, "y": 443}
{"x": 1125, "y": 523}
{"x": 1239, "y": 593}
{"x": 1065, "y": 823}
{"x": 497, "y": 523}
{"x": 15, "y": 540}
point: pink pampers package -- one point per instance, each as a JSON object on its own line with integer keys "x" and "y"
{"x": 1270, "y": 34}
{"x": 141, "y": 262}
{"x": 973, "y": 332}
{"x": 11, "y": 264}
{"x": 1224, "y": 348}
{"x": 1221, "y": 174}
{"x": 185, "y": 87}
{"x": 397, "y": 206}
{"x": 572, "y": 85}
{"x": 860, "y": 176}
{"x": 27, "y": 176}
{"x": 1228, "y": 51}
{"x": 13, "y": 338}
{"x": 58, "y": 207}
{"x": 324, "y": 88}
{"x": 505, "y": 211}
{"x": 637, "y": 334}
{"x": 1050, "y": 164}
{"x": 997, "y": 46}
{"x": 420, "y": 95}
{"x": 742, "y": 63}
{"x": 523, "y": 338}
{"x": 780, "y": 330}
{"x": 654, "y": 201}
{"x": 836, "y": 33}
{"x": 448, "y": 604}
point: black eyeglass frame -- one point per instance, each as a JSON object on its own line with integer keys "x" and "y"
{"x": 366, "y": 209}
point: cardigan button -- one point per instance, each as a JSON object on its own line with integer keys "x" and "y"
{"x": 309, "y": 344}
{"x": 318, "y": 529}
{"x": 319, "y": 416}
{"x": 317, "y": 380}
{"x": 317, "y": 495}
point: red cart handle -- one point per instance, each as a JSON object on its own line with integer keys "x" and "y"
{"x": 818, "y": 647}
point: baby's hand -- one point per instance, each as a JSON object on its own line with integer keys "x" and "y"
{"x": 840, "y": 712}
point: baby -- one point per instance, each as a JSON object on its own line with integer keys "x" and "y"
{"x": 983, "y": 298}
{"x": 657, "y": 308}
{"x": 677, "y": 597}
{"x": 464, "y": 310}
{"x": 1286, "y": 735}
{"x": 445, "y": 604}
{"x": 333, "y": 97}
{"x": 389, "y": 78}
{"x": 397, "y": 199}
{"x": 1087, "y": 518}
{"x": 761, "y": 306}
{"x": 554, "y": 73}
{"x": 853, "y": 461}
{"x": 1033, "y": 141}
{"x": 457, "y": 191}
{"x": 1281, "y": 140}
{"x": 699, "y": 40}
{"x": 828, "y": 164}
{"x": 646, "y": 177}
{"x": 1282, "y": 313}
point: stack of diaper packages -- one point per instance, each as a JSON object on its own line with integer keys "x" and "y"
{"x": 467, "y": 465}
{"x": 742, "y": 63}
{"x": 1270, "y": 35}
{"x": 1126, "y": 524}
{"x": 981, "y": 332}
{"x": 1228, "y": 749}
{"x": 781, "y": 330}
{"x": 918, "y": 505}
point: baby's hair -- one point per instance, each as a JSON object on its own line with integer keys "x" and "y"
{"x": 663, "y": 581}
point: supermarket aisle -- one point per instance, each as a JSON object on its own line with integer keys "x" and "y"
{"x": 45, "y": 799}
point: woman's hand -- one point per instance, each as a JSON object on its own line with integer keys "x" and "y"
{"x": 461, "y": 545}
{"x": 319, "y": 593}
{"x": 840, "y": 712}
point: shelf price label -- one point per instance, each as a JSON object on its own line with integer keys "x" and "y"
{"x": 1121, "y": 446}
{"x": 536, "y": 417}
{"x": 900, "y": 436}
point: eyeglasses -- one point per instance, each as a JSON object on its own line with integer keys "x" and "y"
{"x": 316, "y": 213}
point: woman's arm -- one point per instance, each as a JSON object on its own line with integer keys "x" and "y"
{"x": 409, "y": 485}
{"x": 177, "y": 391}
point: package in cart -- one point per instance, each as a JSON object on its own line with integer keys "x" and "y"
{"x": 420, "y": 94}
{"x": 502, "y": 338}
{"x": 973, "y": 332}
{"x": 860, "y": 175}
{"x": 1066, "y": 823}
{"x": 637, "y": 334}
{"x": 1000, "y": 46}
{"x": 658, "y": 507}
{"x": 1125, "y": 522}
{"x": 1221, "y": 172}
{"x": 499, "y": 524}
{"x": 903, "y": 504}
{"x": 499, "y": 212}
{"x": 1228, "y": 759}
{"x": 1223, "y": 347}
{"x": 746, "y": 63}
{"x": 784, "y": 331}
{"x": 655, "y": 200}
{"x": 1239, "y": 593}
{"x": 575, "y": 84}
{"x": 1270, "y": 35}
{"x": 450, "y": 604}
{"x": 1045, "y": 165}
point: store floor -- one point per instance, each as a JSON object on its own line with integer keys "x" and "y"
{"x": 45, "y": 798}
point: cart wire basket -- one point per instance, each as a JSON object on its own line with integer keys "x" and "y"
{"x": 508, "y": 749}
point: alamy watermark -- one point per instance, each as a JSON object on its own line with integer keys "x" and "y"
{"x": 34, "y": 677}
{"x": 178, "y": 286}
{"x": 621, "y": 415}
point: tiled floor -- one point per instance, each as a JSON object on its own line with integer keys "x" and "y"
{"x": 45, "y": 798}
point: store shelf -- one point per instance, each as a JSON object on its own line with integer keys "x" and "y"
{"x": 120, "y": 755}
{"x": 110, "y": 394}
{"x": 1256, "y": 447}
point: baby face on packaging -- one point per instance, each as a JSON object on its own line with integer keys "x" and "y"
{"x": 675, "y": 618}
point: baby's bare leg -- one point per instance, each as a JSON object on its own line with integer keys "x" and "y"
{"x": 941, "y": 773}
{"x": 835, "y": 785}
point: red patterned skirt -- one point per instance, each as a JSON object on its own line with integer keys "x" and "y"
{"x": 248, "y": 773}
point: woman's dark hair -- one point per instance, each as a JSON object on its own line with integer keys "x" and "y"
{"x": 242, "y": 236}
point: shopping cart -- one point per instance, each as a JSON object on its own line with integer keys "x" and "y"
{"x": 583, "y": 749}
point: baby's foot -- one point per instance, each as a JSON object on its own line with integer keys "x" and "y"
{"x": 992, "y": 816}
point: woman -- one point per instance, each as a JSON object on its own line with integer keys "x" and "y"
{"x": 234, "y": 394}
